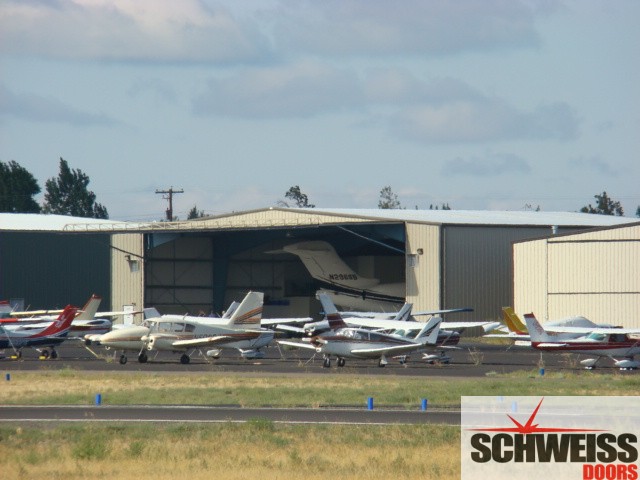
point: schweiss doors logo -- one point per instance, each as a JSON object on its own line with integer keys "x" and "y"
{"x": 586, "y": 438}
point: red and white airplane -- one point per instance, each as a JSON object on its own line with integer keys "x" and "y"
{"x": 615, "y": 343}
{"x": 48, "y": 334}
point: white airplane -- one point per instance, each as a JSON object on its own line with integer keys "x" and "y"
{"x": 344, "y": 286}
{"x": 185, "y": 334}
{"x": 88, "y": 320}
{"x": 344, "y": 342}
{"x": 602, "y": 342}
{"x": 565, "y": 328}
{"x": 16, "y": 336}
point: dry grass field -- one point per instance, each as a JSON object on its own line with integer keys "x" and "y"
{"x": 259, "y": 448}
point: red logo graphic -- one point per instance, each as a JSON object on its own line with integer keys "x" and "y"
{"x": 529, "y": 427}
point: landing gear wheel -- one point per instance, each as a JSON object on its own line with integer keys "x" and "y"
{"x": 54, "y": 354}
{"x": 142, "y": 358}
{"x": 123, "y": 359}
{"x": 341, "y": 362}
{"x": 326, "y": 363}
{"x": 185, "y": 359}
{"x": 44, "y": 354}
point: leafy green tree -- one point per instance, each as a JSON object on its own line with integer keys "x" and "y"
{"x": 68, "y": 195}
{"x": 605, "y": 206}
{"x": 299, "y": 199}
{"x": 195, "y": 213}
{"x": 17, "y": 188}
{"x": 388, "y": 199}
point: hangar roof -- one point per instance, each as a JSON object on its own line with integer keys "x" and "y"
{"x": 50, "y": 223}
{"x": 482, "y": 217}
{"x": 272, "y": 216}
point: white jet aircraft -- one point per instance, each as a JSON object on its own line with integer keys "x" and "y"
{"x": 345, "y": 287}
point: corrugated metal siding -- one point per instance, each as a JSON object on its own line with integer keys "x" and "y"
{"x": 423, "y": 278}
{"x": 51, "y": 270}
{"x": 595, "y": 274}
{"x": 127, "y": 277}
{"x": 478, "y": 268}
{"x": 530, "y": 278}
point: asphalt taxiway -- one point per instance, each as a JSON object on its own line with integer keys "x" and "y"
{"x": 470, "y": 360}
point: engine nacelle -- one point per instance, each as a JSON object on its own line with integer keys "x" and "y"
{"x": 213, "y": 353}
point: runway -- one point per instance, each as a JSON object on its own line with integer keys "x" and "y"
{"x": 207, "y": 414}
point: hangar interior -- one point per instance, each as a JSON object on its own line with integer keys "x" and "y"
{"x": 203, "y": 272}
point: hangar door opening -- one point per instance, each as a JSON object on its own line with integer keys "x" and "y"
{"x": 204, "y": 272}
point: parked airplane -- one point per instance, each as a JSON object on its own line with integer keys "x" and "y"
{"x": 16, "y": 336}
{"x": 603, "y": 342}
{"x": 345, "y": 287}
{"x": 88, "y": 320}
{"x": 344, "y": 342}
{"x": 563, "y": 328}
{"x": 187, "y": 334}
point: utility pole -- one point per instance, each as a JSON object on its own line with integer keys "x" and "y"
{"x": 168, "y": 195}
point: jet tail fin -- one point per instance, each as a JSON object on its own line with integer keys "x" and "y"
{"x": 331, "y": 312}
{"x": 249, "y": 312}
{"x": 323, "y": 263}
{"x": 62, "y": 324}
{"x": 90, "y": 309}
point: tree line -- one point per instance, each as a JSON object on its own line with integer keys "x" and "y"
{"x": 66, "y": 194}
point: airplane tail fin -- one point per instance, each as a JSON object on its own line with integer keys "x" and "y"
{"x": 513, "y": 322}
{"x": 249, "y": 312}
{"x": 324, "y": 264}
{"x": 404, "y": 313}
{"x": 331, "y": 312}
{"x": 429, "y": 333}
{"x": 62, "y": 324}
{"x": 537, "y": 333}
{"x": 90, "y": 309}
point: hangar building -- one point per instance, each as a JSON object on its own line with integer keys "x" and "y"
{"x": 446, "y": 258}
{"x": 595, "y": 274}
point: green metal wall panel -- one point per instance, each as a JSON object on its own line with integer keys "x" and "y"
{"x": 51, "y": 270}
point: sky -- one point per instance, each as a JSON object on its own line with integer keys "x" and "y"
{"x": 478, "y": 104}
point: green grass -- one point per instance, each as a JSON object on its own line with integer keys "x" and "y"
{"x": 77, "y": 388}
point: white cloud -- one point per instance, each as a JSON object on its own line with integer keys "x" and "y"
{"x": 128, "y": 30}
{"x": 300, "y": 90}
{"x": 490, "y": 165}
{"x": 37, "y": 108}
{"x": 410, "y": 27}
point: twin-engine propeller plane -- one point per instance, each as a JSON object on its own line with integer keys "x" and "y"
{"x": 185, "y": 334}
{"x": 344, "y": 342}
{"x": 44, "y": 334}
{"x": 599, "y": 341}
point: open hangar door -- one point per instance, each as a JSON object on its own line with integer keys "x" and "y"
{"x": 203, "y": 272}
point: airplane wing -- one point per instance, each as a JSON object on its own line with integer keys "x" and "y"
{"x": 289, "y": 328}
{"x": 588, "y": 330}
{"x": 115, "y": 314}
{"x": 552, "y": 345}
{"x": 297, "y": 344}
{"x": 406, "y": 325}
{"x": 272, "y": 322}
{"x": 442, "y": 312}
{"x": 32, "y": 313}
{"x": 395, "y": 349}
